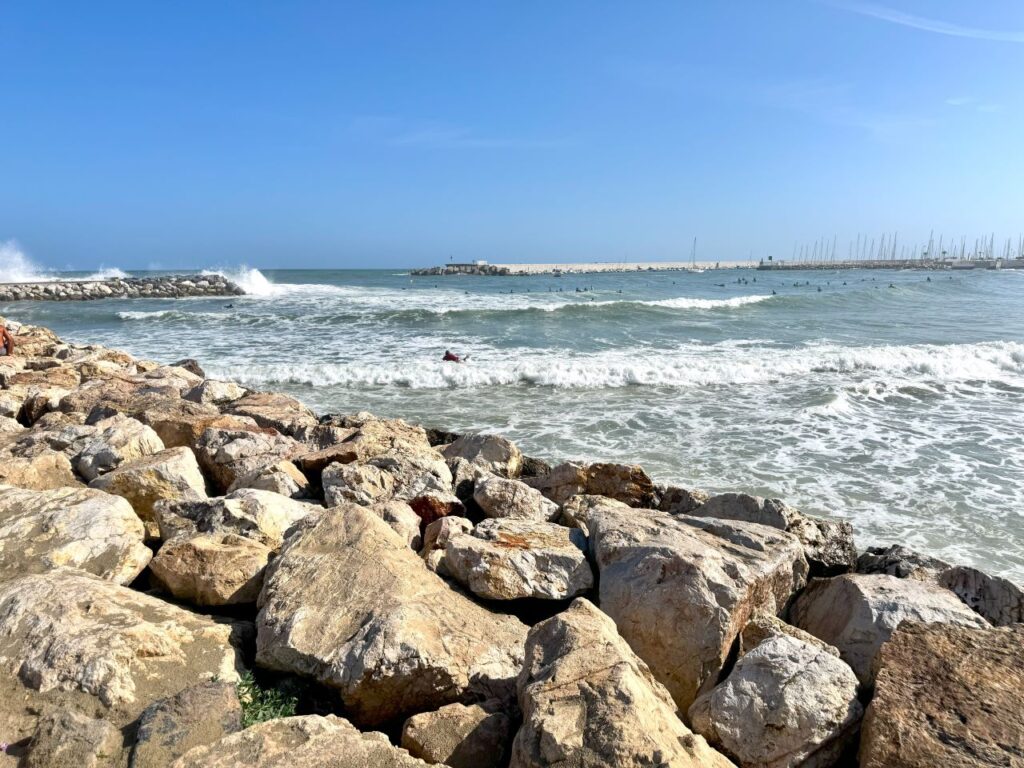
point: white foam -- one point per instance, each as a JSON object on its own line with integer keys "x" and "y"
{"x": 107, "y": 273}
{"x": 17, "y": 267}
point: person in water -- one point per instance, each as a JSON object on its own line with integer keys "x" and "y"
{"x": 451, "y": 357}
{"x": 6, "y": 341}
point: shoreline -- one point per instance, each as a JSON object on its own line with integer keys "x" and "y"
{"x": 158, "y": 287}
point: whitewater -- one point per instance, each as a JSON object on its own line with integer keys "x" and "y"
{"x": 893, "y": 399}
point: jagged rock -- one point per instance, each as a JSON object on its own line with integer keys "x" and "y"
{"x": 226, "y": 455}
{"x": 577, "y": 510}
{"x": 119, "y": 440}
{"x": 182, "y": 423}
{"x": 402, "y": 519}
{"x": 680, "y": 501}
{"x": 534, "y": 467}
{"x": 69, "y": 739}
{"x": 171, "y": 474}
{"x": 901, "y": 562}
{"x": 460, "y": 735}
{"x": 41, "y": 400}
{"x": 681, "y": 588}
{"x": 828, "y": 544}
{"x": 356, "y": 483}
{"x": 262, "y": 516}
{"x": 764, "y": 627}
{"x": 9, "y": 427}
{"x": 211, "y": 569}
{"x": 283, "y": 478}
{"x": 348, "y": 603}
{"x": 947, "y": 696}
{"x": 91, "y": 530}
{"x": 464, "y": 476}
{"x": 857, "y": 613}
{"x": 588, "y": 700}
{"x": 997, "y": 600}
{"x": 786, "y": 703}
{"x": 41, "y": 472}
{"x": 10, "y": 404}
{"x": 490, "y": 452}
{"x": 215, "y": 392}
{"x": 368, "y": 437}
{"x": 424, "y": 481}
{"x": 71, "y": 641}
{"x": 436, "y": 537}
{"x": 271, "y": 409}
{"x": 197, "y": 716}
{"x": 300, "y": 742}
{"x": 507, "y": 559}
{"x": 500, "y": 497}
{"x": 623, "y": 482}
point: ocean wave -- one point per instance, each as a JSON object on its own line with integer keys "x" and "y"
{"x": 168, "y": 314}
{"x": 107, "y": 273}
{"x": 17, "y": 267}
{"x": 693, "y": 366}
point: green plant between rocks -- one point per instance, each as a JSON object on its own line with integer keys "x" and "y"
{"x": 260, "y": 704}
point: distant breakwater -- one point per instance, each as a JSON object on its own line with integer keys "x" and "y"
{"x": 163, "y": 287}
{"x": 578, "y": 268}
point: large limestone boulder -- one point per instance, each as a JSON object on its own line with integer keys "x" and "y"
{"x": 997, "y": 600}
{"x": 681, "y": 588}
{"x": 271, "y": 409}
{"x": 424, "y": 481}
{"x": 680, "y": 501}
{"x": 403, "y": 521}
{"x": 196, "y": 716}
{"x": 857, "y": 613}
{"x": 786, "y": 703}
{"x": 213, "y": 392}
{"x": 69, "y": 739}
{"x": 436, "y": 537}
{"x": 9, "y": 426}
{"x": 627, "y": 483}
{"x": 356, "y": 483}
{"x": 348, "y": 603}
{"x": 77, "y": 527}
{"x": 171, "y": 474}
{"x": 283, "y": 477}
{"x": 828, "y": 544}
{"x": 44, "y": 471}
{"x": 72, "y": 641}
{"x": 588, "y": 700}
{"x": 897, "y": 560}
{"x": 500, "y": 497}
{"x": 119, "y": 440}
{"x": 226, "y": 455}
{"x": 212, "y": 569}
{"x": 507, "y": 559}
{"x": 460, "y": 735}
{"x": 577, "y": 511}
{"x": 262, "y": 516}
{"x": 300, "y": 742}
{"x": 947, "y": 696}
{"x": 492, "y": 453}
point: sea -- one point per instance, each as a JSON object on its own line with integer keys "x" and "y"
{"x": 893, "y": 399}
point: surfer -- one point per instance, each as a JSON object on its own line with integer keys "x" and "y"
{"x": 6, "y": 341}
{"x": 451, "y": 357}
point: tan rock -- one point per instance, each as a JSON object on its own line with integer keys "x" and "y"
{"x": 44, "y": 471}
{"x": 402, "y": 520}
{"x": 69, "y": 739}
{"x": 171, "y": 474}
{"x": 508, "y": 559}
{"x": 283, "y": 478}
{"x": 460, "y": 735}
{"x": 119, "y": 440}
{"x": 947, "y": 696}
{"x": 997, "y": 600}
{"x": 492, "y": 453}
{"x": 212, "y": 569}
{"x": 216, "y": 392}
{"x": 78, "y": 527}
{"x": 500, "y": 497}
{"x": 356, "y": 483}
{"x": 588, "y": 700}
{"x": 857, "y": 613}
{"x": 270, "y": 409}
{"x": 9, "y": 427}
{"x": 300, "y": 742}
{"x": 228, "y": 455}
{"x": 762, "y": 627}
{"x": 196, "y": 716}
{"x": 577, "y": 511}
{"x": 348, "y": 603}
{"x": 623, "y": 482}
{"x": 436, "y": 537}
{"x": 681, "y": 588}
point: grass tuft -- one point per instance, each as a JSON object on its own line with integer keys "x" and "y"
{"x": 260, "y": 704}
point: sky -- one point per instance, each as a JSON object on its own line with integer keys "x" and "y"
{"x": 401, "y": 134}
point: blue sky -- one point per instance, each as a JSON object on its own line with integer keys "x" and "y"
{"x": 398, "y": 134}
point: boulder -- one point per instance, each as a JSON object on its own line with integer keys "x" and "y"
{"x": 857, "y": 613}
{"x": 588, "y": 700}
{"x": 44, "y": 471}
{"x": 78, "y": 527}
{"x": 72, "y": 641}
{"x": 69, "y": 739}
{"x": 489, "y": 452}
{"x": 182, "y": 423}
{"x": 424, "y": 481}
{"x": 10, "y": 403}
{"x": 947, "y": 696}
{"x": 681, "y": 588}
{"x": 464, "y": 476}
{"x": 214, "y": 392}
{"x": 460, "y": 735}
{"x": 211, "y": 569}
{"x": 310, "y": 741}
{"x": 262, "y": 516}
{"x": 828, "y": 544}
{"x": 500, "y": 497}
{"x": 627, "y": 483}
{"x": 283, "y": 478}
{"x": 680, "y": 501}
{"x": 577, "y": 511}
{"x": 119, "y": 440}
{"x": 356, "y": 483}
{"x": 764, "y": 627}
{"x": 171, "y": 474}
{"x": 997, "y": 600}
{"x": 436, "y": 537}
{"x": 367, "y": 437}
{"x": 226, "y": 455}
{"x": 271, "y": 409}
{"x": 403, "y": 521}
{"x": 900, "y": 561}
{"x": 9, "y": 427}
{"x": 196, "y": 716}
{"x": 786, "y": 703}
{"x": 348, "y": 603}
{"x": 509, "y": 558}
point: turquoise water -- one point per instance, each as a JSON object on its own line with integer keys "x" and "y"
{"x": 900, "y": 408}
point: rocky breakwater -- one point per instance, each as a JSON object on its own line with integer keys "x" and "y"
{"x": 196, "y": 574}
{"x": 155, "y": 287}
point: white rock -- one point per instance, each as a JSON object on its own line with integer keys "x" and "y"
{"x": 500, "y": 497}
{"x": 120, "y": 439}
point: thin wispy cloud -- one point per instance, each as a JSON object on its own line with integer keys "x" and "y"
{"x": 397, "y": 132}
{"x": 967, "y": 102}
{"x": 937, "y": 26}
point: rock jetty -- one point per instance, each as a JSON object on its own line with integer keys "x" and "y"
{"x": 156, "y": 287}
{"x": 194, "y": 574}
